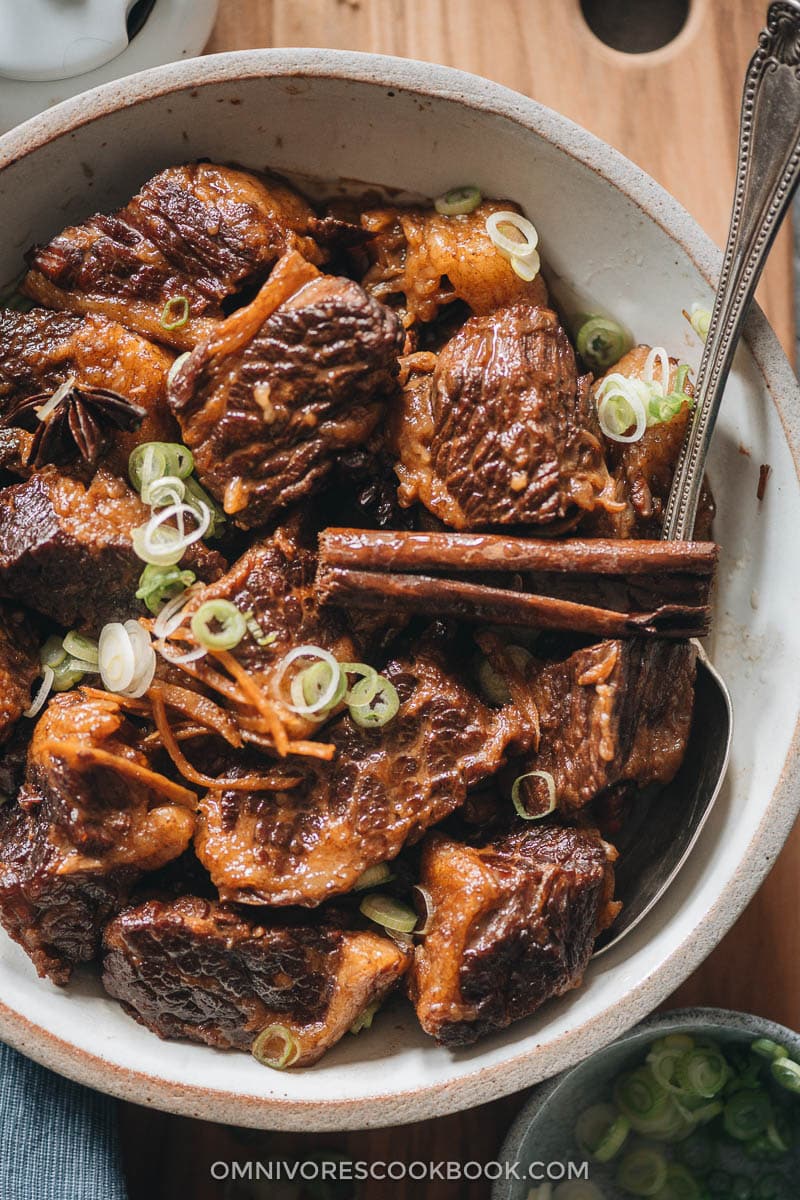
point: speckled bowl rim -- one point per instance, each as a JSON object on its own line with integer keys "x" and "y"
{"x": 476, "y": 1085}
{"x": 659, "y": 1024}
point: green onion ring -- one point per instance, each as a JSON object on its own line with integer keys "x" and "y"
{"x": 365, "y": 690}
{"x": 643, "y": 1172}
{"x": 747, "y": 1114}
{"x": 373, "y": 877}
{"x": 765, "y": 1048}
{"x": 385, "y": 910}
{"x": 80, "y": 647}
{"x": 288, "y": 1054}
{"x": 52, "y": 653}
{"x": 786, "y": 1072}
{"x": 223, "y": 613}
{"x": 313, "y": 684}
{"x": 458, "y": 202}
{"x": 517, "y": 801}
{"x": 702, "y": 1072}
{"x": 157, "y": 585}
{"x": 601, "y": 342}
{"x": 178, "y": 305}
{"x": 383, "y": 707}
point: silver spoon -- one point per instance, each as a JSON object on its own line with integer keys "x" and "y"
{"x": 767, "y": 176}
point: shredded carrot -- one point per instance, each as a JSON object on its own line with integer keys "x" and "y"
{"x": 246, "y": 783}
{"x": 80, "y": 755}
{"x": 325, "y": 750}
{"x": 126, "y": 702}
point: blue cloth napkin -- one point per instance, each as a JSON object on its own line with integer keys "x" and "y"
{"x": 58, "y": 1141}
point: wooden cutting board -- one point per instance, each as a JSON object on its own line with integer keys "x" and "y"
{"x": 675, "y": 112}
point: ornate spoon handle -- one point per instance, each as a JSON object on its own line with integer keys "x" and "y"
{"x": 768, "y": 174}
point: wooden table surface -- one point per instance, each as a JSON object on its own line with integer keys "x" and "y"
{"x": 675, "y": 112}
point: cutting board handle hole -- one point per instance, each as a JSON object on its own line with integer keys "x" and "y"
{"x": 636, "y": 26}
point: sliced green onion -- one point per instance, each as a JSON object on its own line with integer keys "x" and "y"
{"x": 680, "y": 1185}
{"x": 601, "y": 342}
{"x": 765, "y": 1048}
{"x": 42, "y": 692}
{"x": 314, "y": 683}
{"x": 492, "y": 682}
{"x": 747, "y": 1114}
{"x": 622, "y": 405}
{"x": 385, "y": 910}
{"x": 383, "y": 707}
{"x": 519, "y": 805}
{"x": 681, "y": 375}
{"x": 49, "y": 406}
{"x": 218, "y": 625}
{"x": 164, "y": 545}
{"x": 643, "y": 1172}
{"x": 153, "y": 460}
{"x": 522, "y": 247}
{"x": 526, "y": 268}
{"x": 364, "y": 1019}
{"x": 126, "y": 658}
{"x": 786, "y": 1072}
{"x": 157, "y": 585}
{"x": 614, "y": 1140}
{"x": 198, "y": 499}
{"x": 649, "y": 1107}
{"x": 275, "y": 1047}
{"x": 175, "y": 314}
{"x": 700, "y": 320}
{"x": 663, "y": 408}
{"x": 81, "y": 647}
{"x": 592, "y": 1126}
{"x": 365, "y": 690}
{"x": 52, "y": 653}
{"x": 159, "y": 493}
{"x": 427, "y": 899}
{"x": 67, "y": 675}
{"x": 373, "y": 877}
{"x": 299, "y": 704}
{"x": 702, "y": 1072}
{"x": 458, "y": 202}
{"x": 697, "y": 1152}
{"x": 176, "y": 366}
{"x": 257, "y": 633}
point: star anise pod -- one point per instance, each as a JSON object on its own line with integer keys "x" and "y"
{"x": 79, "y": 425}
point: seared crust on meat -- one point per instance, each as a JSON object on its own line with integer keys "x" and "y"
{"x": 66, "y": 550}
{"x": 201, "y": 231}
{"x": 199, "y": 970}
{"x": 287, "y": 385}
{"x": 91, "y": 817}
{"x": 505, "y": 433}
{"x": 616, "y": 712}
{"x": 382, "y": 789}
{"x": 511, "y": 924}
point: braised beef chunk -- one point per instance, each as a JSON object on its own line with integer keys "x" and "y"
{"x": 382, "y": 789}
{"x": 39, "y": 350}
{"x": 291, "y": 381}
{"x": 427, "y": 261}
{"x": 56, "y": 919}
{"x": 274, "y": 580}
{"x": 512, "y": 925}
{"x": 66, "y": 550}
{"x": 643, "y": 470}
{"x": 616, "y": 712}
{"x": 198, "y": 231}
{"x": 19, "y": 666}
{"x": 199, "y": 970}
{"x": 506, "y": 433}
{"x": 92, "y": 815}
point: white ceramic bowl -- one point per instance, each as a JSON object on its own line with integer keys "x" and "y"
{"x": 607, "y": 230}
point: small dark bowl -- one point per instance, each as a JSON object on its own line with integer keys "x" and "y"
{"x": 543, "y": 1131}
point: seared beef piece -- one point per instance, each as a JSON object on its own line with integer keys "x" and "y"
{"x": 199, "y": 970}
{"x": 66, "y": 550}
{"x": 429, "y": 261}
{"x": 616, "y": 712}
{"x": 290, "y": 382}
{"x": 92, "y": 815}
{"x": 643, "y": 470}
{"x": 39, "y": 350}
{"x": 200, "y": 231}
{"x": 19, "y": 666}
{"x": 382, "y": 789}
{"x": 504, "y": 432}
{"x": 511, "y": 925}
